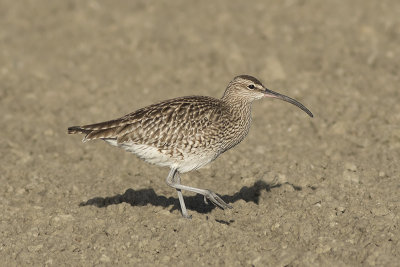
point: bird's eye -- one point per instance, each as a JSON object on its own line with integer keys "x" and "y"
{"x": 251, "y": 86}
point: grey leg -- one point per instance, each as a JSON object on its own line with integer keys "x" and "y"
{"x": 174, "y": 178}
{"x": 180, "y": 196}
{"x": 216, "y": 200}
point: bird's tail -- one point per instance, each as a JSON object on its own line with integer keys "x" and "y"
{"x": 77, "y": 130}
{"x": 102, "y": 130}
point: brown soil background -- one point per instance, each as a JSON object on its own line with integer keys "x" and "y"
{"x": 305, "y": 191}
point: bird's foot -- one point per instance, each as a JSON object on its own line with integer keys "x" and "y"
{"x": 186, "y": 216}
{"x": 216, "y": 200}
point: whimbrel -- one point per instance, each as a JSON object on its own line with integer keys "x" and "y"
{"x": 186, "y": 133}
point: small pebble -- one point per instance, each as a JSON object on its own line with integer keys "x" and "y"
{"x": 105, "y": 258}
{"x": 350, "y": 166}
{"x": 351, "y": 176}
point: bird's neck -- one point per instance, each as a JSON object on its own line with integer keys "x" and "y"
{"x": 240, "y": 116}
{"x": 239, "y": 107}
{"x": 239, "y": 119}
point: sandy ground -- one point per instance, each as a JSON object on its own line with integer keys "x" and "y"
{"x": 305, "y": 191}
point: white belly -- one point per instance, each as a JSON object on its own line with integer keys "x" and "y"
{"x": 184, "y": 163}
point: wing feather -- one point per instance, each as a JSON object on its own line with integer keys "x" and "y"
{"x": 181, "y": 120}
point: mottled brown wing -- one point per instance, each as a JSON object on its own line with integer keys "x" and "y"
{"x": 181, "y": 122}
{"x": 178, "y": 121}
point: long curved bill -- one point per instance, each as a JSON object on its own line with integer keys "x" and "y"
{"x": 270, "y": 93}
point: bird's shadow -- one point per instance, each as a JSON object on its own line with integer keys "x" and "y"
{"x": 142, "y": 197}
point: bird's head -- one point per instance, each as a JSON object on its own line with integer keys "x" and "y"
{"x": 248, "y": 88}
